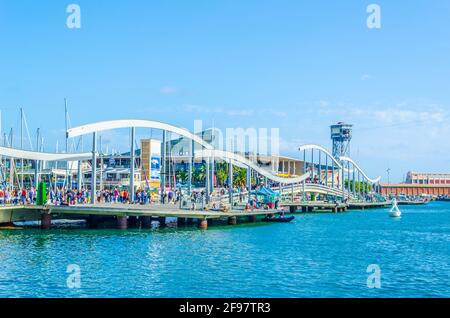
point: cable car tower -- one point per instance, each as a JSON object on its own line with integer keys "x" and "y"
{"x": 341, "y": 135}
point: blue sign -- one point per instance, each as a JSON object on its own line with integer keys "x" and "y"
{"x": 155, "y": 168}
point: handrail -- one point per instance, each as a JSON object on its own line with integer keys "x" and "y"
{"x": 226, "y": 155}
{"x": 344, "y": 158}
{"x": 317, "y": 147}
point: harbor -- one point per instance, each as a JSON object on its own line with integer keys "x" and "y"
{"x": 135, "y": 216}
{"x": 316, "y": 255}
{"x": 232, "y": 155}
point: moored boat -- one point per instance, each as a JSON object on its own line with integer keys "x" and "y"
{"x": 281, "y": 219}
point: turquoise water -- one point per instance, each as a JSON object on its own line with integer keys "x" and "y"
{"x": 317, "y": 255}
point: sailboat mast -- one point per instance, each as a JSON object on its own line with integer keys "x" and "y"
{"x": 66, "y": 179}
{"x": 21, "y": 146}
{"x": 11, "y": 161}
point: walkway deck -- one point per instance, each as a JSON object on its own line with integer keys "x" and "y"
{"x": 155, "y": 210}
{"x": 10, "y": 214}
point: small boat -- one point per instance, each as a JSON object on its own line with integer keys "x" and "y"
{"x": 395, "y": 211}
{"x": 411, "y": 202}
{"x": 281, "y": 219}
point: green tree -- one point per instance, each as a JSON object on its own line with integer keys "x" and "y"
{"x": 182, "y": 175}
{"x": 240, "y": 177}
{"x": 222, "y": 173}
{"x": 199, "y": 174}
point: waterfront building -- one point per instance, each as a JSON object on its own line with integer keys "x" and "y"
{"x": 413, "y": 177}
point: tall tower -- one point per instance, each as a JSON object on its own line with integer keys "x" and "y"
{"x": 341, "y": 135}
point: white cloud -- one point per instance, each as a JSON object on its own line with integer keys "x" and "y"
{"x": 168, "y": 90}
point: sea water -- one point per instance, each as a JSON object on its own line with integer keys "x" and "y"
{"x": 317, "y": 255}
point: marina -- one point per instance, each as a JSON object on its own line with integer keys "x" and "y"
{"x": 223, "y": 157}
{"x": 315, "y": 255}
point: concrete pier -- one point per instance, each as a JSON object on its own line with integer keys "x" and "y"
{"x": 203, "y": 224}
{"x": 162, "y": 221}
{"x": 122, "y": 222}
{"x": 189, "y": 221}
{"x": 133, "y": 222}
{"x": 232, "y": 220}
{"x": 146, "y": 222}
{"x": 181, "y": 221}
{"x": 46, "y": 220}
{"x": 93, "y": 221}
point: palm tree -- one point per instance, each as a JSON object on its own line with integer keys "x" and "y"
{"x": 182, "y": 175}
{"x": 222, "y": 173}
{"x": 199, "y": 174}
{"x": 240, "y": 177}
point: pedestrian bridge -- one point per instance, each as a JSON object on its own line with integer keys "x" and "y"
{"x": 322, "y": 173}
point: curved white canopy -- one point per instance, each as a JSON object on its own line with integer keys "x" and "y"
{"x": 43, "y": 156}
{"x": 238, "y": 158}
{"x": 136, "y": 123}
{"x": 317, "y": 147}
{"x": 376, "y": 180}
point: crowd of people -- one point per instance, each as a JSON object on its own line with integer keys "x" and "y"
{"x": 61, "y": 196}
{"x": 17, "y": 196}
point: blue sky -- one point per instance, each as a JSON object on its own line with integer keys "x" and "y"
{"x": 296, "y": 65}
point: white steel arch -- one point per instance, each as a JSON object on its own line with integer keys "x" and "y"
{"x": 43, "y": 156}
{"x": 347, "y": 159}
{"x": 226, "y": 155}
{"x": 317, "y": 147}
{"x": 136, "y": 123}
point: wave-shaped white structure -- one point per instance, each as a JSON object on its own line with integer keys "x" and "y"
{"x": 208, "y": 151}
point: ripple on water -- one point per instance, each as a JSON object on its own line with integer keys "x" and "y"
{"x": 317, "y": 255}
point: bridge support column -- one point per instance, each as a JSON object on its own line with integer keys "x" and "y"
{"x": 162, "y": 221}
{"x": 230, "y": 182}
{"x": 146, "y": 222}
{"x": 249, "y": 182}
{"x": 252, "y": 218}
{"x": 232, "y": 220}
{"x": 211, "y": 183}
{"x": 92, "y": 221}
{"x": 46, "y": 220}
{"x": 191, "y": 163}
{"x": 94, "y": 169}
{"x": 163, "y": 166}
{"x": 122, "y": 222}
{"x": 189, "y": 221}
{"x": 133, "y": 222}
{"x": 181, "y": 221}
{"x": 132, "y": 162}
{"x": 79, "y": 176}
{"x": 203, "y": 224}
{"x": 304, "y": 209}
{"x": 207, "y": 179}
{"x": 293, "y": 208}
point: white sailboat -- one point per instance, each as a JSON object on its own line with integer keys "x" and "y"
{"x": 395, "y": 211}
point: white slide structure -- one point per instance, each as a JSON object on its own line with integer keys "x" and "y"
{"x": 226, "y": 155}
{"x": 43, "y": 156}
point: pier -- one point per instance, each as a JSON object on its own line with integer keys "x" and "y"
{"x": 250, "y": 188}
{"x": 141, "y": 216}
